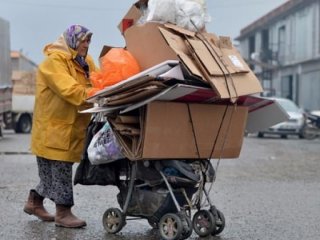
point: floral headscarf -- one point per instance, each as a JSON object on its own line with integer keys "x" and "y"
{"x": 75, "y": 34}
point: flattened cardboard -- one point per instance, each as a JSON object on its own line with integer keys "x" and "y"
{"x": 179, "y": 93}
{"x": 205, "y": 57}
{"x": 134, "y": 96}
{"x": 236, "y": 85}
{"x": 221, "y": 65}
{"x": 188, "y": 131}
{"x": 228, "y": 84}
{"x": 266, "y": 114}
{"x": 134, "y": 81}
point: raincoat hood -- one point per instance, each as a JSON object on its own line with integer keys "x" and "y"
{"x": 60, "y": 45}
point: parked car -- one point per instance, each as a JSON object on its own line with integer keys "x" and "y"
{"x": 294, "y": 126}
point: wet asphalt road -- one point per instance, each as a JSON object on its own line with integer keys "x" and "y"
{"x": 271, "y": 192}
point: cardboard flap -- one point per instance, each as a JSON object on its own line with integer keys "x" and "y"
{"x": 134, "y": 90}
{"x": 130, "y": 18}
{"x": 128, "y": 133}
{"x": 138, "y": 39}
{"x": 177, "y": 44}
{"x": 206, "y": 58}
{"x": 180, "y": 30}
{"x": 125, "y": 129}
{"x": 234, "y": 61}
{"x": 105, "y": 49}
{"x": 133, "y": 96}
{"x": 236, "y": 85}
{"x": 190, "y": 65}
{"x": 264, "y": 115}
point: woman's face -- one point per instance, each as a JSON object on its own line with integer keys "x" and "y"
{"x": 83, "y": 47}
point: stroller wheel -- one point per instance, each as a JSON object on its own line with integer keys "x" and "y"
{"x": 113, "y": 220}
{"x": 170, "y": 226}
{"x": 203, "y": 223}
{"x": 220, "y": 221}
{"x": 186, "y": 226}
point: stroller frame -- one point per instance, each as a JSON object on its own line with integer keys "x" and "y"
{"x": 173, "y": 224}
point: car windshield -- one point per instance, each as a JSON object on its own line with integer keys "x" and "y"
{"x": 288, "y": 105}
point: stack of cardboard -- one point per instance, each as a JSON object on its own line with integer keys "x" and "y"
{"x": 191, "y": 100}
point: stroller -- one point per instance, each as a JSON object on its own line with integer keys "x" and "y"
{"x": 164, "y": 192}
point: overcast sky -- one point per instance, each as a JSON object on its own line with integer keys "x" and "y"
{"x": 34, "y": 23}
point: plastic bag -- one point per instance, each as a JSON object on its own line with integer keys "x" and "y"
{"x": 162, "y": 11}
{"x": 102, "y": 174}
{"x": 116, "y": 65}
{"x": 188, "y": 14}
{"x": 191, "y": 14}
{"x": 104, "y": 147}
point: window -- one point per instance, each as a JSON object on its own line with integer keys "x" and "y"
{"x": 281, "y": 44}
{"x": 287, "y": 87}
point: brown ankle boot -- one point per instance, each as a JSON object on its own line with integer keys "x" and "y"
{"x": 34, "y": 206}
{"x": 65, "y": 218}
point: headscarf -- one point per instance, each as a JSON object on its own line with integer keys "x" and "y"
{"x": 73, "y": 36}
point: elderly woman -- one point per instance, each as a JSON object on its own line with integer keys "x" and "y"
{"x": 58, "y": 129}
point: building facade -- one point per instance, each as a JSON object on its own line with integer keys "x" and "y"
{"x": 283, "y": 49}
{"x": 20, "y": 62}
{"x": 23, "y": 74}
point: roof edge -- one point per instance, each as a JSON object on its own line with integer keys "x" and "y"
{"x": 274, "y": 14}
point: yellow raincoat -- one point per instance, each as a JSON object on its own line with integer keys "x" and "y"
{"x": 58, "y": 129}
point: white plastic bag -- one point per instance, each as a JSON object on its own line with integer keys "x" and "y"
{"x": 104, "y": 147}
{"x": 191, "y": 14}
{"x": 188, "y": 14}
{"x": 161, "y": 11}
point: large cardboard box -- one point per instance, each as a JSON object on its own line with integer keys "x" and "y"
{"x": 171, "y": 130}
{"x": 204, "y": 56}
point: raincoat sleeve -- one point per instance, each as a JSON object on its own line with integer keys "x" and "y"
{"x": 60, "y": 76}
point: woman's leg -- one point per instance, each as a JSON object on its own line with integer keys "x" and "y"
{"x": 62, "y": 194}
{"x": 62, "y": 189}
{"x": 45, "y": 174}
{"x": 34, "y": 205}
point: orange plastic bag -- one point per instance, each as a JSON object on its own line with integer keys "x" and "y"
{"x": 117, "y": 65}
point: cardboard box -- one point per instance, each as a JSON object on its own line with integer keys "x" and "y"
{"x": 204, "y": 56}
{"x": 131, "y": 17}
{"x": 262, "y": 112}
{"x": 170, "y": 130}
